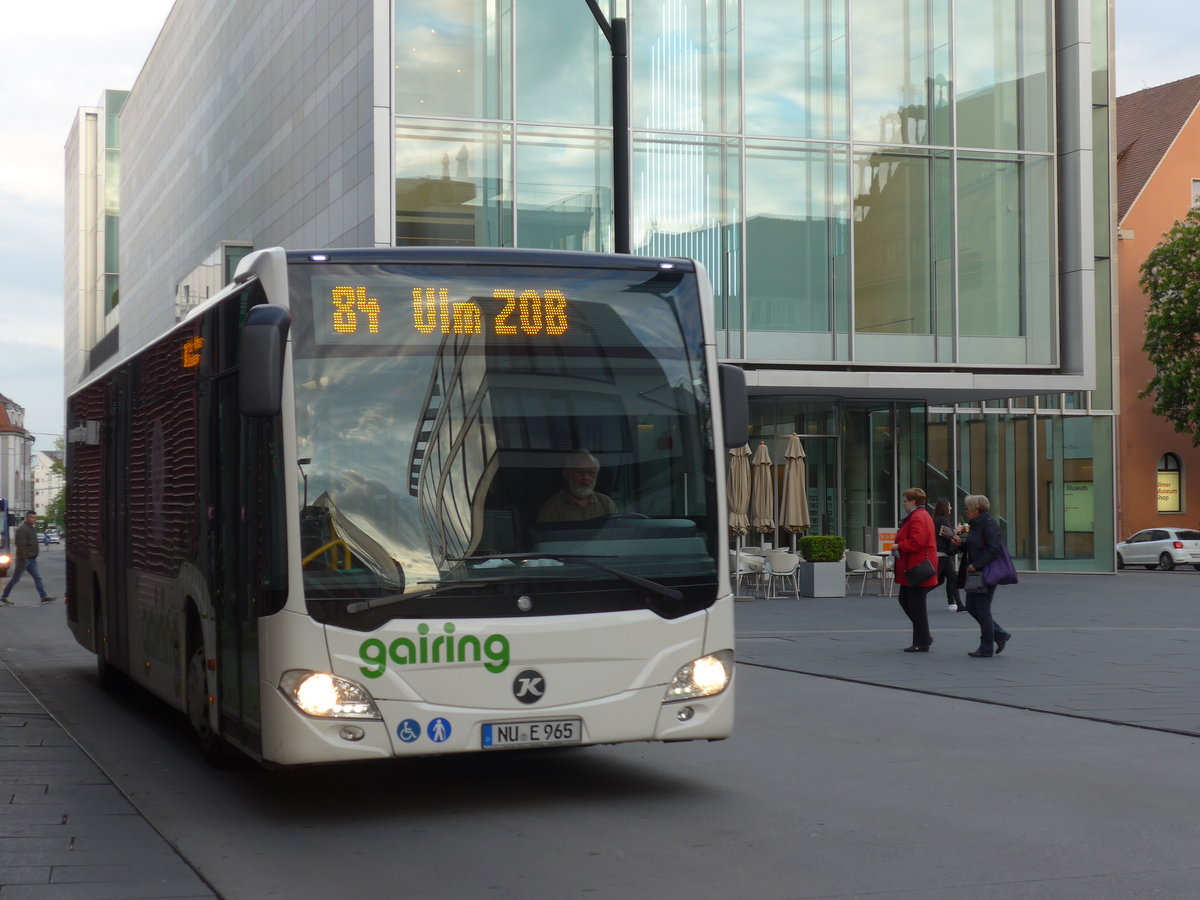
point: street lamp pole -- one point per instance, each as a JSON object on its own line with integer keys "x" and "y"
{"x": 617, "y": 34}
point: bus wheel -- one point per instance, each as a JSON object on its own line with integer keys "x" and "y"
{"x": 104, "y": 672}
{"x": 106, "y": 675}
{"x": 212, "y": 746}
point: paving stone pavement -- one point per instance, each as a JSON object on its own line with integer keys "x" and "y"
{"x": 66, "y": 831}
{"x": 1122, "y": 648}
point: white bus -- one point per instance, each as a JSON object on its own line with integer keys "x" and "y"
{"x": 311, "y": 515}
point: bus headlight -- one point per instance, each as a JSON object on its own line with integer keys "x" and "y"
{"x": 326, "y": 696}
{"x": 703, "y": 677}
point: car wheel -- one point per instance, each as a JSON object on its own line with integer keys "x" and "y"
{"x": 1166, "y": 561}
{"x": 1120, "y": 561}
{"x": 1196, "y": 567}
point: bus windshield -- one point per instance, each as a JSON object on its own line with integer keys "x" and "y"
{"x": 468, "y": 434}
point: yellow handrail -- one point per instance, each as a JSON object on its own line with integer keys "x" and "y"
{"x": 330, "y": 547}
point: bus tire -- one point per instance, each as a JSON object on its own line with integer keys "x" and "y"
{"x": 106, "y": 675}
{"x": 212, "y": 746}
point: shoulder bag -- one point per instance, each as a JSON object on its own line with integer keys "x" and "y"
{"x": 1000, "y": 570}
{"x": 974, "y": 583}
{"x": 920, "y": 573}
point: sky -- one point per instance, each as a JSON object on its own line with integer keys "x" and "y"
{"x": 50, "y": 65}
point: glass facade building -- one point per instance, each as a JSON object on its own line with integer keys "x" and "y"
{"x": 878, "y": 190}
{"x": 92, "y": 238}
{"x": 903, "y": 205}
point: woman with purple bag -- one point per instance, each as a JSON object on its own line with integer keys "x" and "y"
{"x": 981, "y": 544}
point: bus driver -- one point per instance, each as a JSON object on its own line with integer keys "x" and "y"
{"x": 577, "y": 500}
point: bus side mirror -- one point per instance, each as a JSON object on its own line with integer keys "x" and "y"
{"x": 260, "y": 360}
{"x": 735, "y": 405}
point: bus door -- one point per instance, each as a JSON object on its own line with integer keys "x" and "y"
{"x": 232, "y": 574}
{"x": 115, "y": 520}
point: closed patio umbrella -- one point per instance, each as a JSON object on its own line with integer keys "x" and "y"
{"x": 794, "y": 495}
{"x": 762, "y": 491}
{"x": 738, "y": 489}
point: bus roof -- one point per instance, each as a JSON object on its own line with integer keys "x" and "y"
{"x": 496, "y": 256}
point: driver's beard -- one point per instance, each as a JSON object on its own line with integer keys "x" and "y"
{"x": 579, "y": 493}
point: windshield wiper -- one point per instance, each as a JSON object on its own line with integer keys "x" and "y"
{"x": 588, "y": 560}
{"x": 357, "y": 606}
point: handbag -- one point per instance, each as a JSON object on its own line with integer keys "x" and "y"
{"x": 920, "y": 573}
{"x": 1000, "y": 570}
{"x": 974, "y": 583}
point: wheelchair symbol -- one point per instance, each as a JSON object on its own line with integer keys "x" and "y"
{"x": 408, "y": 730}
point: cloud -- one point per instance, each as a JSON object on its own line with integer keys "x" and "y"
{"x": 55, "y": 61}
{"x": 33, "y": 379}
{"x": 1154, "y": 43}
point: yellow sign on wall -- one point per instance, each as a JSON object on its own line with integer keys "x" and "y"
{"x": 1168, "y": 492}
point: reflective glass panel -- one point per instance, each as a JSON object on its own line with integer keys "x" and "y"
{"x": 939, "y": 476}
{"x": 1003, "y": 58}
{"x": 452, "y": 185}
{"x": 869, "y": 483}
{"x": 564, "y": 194}
{"x": 995, "y": 459}
{"x": 899, "y": 235}
{"x": 112, "y": 180}
{"x": 796, "y": 68}
{"x": 452, "y": 58}
{"x": 112, "y": 292}
{"x": 901, "y": 66}
{"x": 112, "y": 243}
{"x": 1075, "y": 491}
{"x": 1102, "y": 396}
{"x": 114, "y": 102}
{"x": 1100, "y": 53}
{"x": 1101, "y": 197}
{"x": 1005, "y": 242}
{"x": 797, "y": 249}
{"x": 685, "y": 203}
{"x": 564, "y": 64}
{"x": 684, "y": 62}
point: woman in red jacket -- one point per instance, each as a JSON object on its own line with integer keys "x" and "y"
{"x": 916, "y": 542}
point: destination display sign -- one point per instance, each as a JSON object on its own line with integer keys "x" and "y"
{"x": 393, "y": 314}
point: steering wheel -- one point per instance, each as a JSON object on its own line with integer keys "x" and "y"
{"x": 627, "y": 515}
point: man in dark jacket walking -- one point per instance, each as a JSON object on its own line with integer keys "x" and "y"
{"x": 27, "y": 551}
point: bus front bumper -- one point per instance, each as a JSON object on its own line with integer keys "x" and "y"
{"x": 411, "y": 728}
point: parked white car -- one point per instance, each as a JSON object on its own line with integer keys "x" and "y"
{"x": 1165, "y": 547}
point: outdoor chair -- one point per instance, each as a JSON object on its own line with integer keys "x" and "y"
{"x": 866, "y": 565}
{"x": 780, "y": 566}
{"x": 745, "y": 566}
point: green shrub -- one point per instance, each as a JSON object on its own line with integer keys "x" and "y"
{"x": 823, "y": 547}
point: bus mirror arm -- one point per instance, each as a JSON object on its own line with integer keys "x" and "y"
{"x": 260, "y": 355}
{"x": 735, "y": 405}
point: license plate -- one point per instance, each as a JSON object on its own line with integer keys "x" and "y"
{"x": 539, "y": 733}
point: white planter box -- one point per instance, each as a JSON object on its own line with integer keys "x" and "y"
{"x": 823, "y": 579}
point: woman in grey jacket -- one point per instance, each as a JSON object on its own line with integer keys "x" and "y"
{"x": 980, "y": 544}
